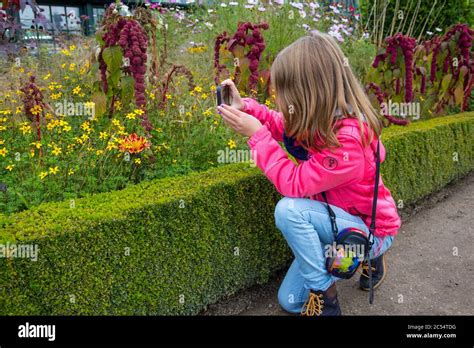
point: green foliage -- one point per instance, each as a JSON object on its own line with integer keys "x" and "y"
{"x": 425, "y": 156}
{"x": 193, "y": 238}
{"x": 360, "y": 54}
{"x": 445, "y": 14}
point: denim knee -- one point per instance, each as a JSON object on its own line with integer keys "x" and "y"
{"x": 282, "y": 212}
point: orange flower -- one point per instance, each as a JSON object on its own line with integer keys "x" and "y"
{"x": 133, "y": 144}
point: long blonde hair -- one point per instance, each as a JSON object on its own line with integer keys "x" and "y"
{"x": 313, "y": 81}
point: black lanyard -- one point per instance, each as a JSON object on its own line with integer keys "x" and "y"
{"x": 332, "y": 215}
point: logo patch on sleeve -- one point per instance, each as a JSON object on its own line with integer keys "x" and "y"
{"x": 330, "y": 163}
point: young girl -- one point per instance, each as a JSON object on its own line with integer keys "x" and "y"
{"x": 327, "y": 123}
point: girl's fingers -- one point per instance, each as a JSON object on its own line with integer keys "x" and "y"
{"x": 232, "y": 109}
{"x": 229, "y": 122}
{"x": 229, "y": 111}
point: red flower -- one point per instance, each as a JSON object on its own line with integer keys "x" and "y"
{"x": 133, "y": 144}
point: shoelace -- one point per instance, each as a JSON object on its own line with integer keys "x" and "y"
{"x": 365, "y": 268}
{"x": 313, "y": 305}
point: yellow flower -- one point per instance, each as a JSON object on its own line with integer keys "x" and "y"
{"x": 53, "y": 170}
{"x": 138, "y": 161}
{"x": 130, "y": 116}
{"x": 204, "y": 96}
{"x": 36, "y": 110}
{"x": 267, "y": 102}
{"x": 2, "y": 141}
{"x": 37, "y": 144}
{"x": 76, "y": 90}
{"x": 168, "y": 96}
{"x": 139, "y": 112}
{"x": 197, "y": 49}
{"x": 52, "y": 124}
{"x": 72, "y": 66}
{"x": 72, "y": 47}
{"x": 208, "y": 112}
{"x": 19, "y": 110}
{"x": 3, "y": 152}
{"x": 56, "y": 96}
{"x": 115, "y": 122}
{"x": 43, "y": 175}
{"x": 198, "y": 89}
{"x": 47, "y": 76}
{"x": 70, "y": 172}
{"x": 10, "y": 167}
{"x": 118, "y": 105}
{"x": 66, "y": 52}
{"x": 25, "y": 128}
{"x": 103, "y": 135}
{"x": 159, "y": 130}
{"x": 2, "y": 128}
{"x": 213, "y": 88}
{"x": 85, "y": 126}
{"x": 111, "y": 146}
{"x": 99, "y": 152}
{"x": 231, "y": 144}
{"x": 56, "y": 151}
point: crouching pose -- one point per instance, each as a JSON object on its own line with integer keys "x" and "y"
{"x": 328, "y": 126}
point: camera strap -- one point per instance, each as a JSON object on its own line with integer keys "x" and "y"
{"x": 332, "y": 217}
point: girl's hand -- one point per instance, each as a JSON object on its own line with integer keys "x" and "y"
{"x": 239, "y": 121}
{"x": 237, "y": 101}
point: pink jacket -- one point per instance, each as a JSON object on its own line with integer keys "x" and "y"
{"x": 347, "y": 173}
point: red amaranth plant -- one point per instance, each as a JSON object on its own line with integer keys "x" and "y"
{"x": 33, "y": 104}
{"x": 407, "y": 46}
{"x": 380, "y": 96}
{"x": 128, "y": 34}
{"x": 436, "y": 74}
{"x": 249, "y": 36}
{"x": 464, "y": 42}
{"x": 134, "y": 43}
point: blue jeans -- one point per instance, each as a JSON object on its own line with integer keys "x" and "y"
{"x": 306, "y": 226}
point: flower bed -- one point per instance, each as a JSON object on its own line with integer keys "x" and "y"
{"x": 173, "y": 246}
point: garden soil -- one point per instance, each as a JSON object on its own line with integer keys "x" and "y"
{"x": 430, "y": 266}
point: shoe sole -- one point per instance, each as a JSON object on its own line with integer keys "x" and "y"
{"x": 381, "y": 280}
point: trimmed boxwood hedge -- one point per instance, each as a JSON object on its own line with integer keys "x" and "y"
{"x": 173, "y": 246}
